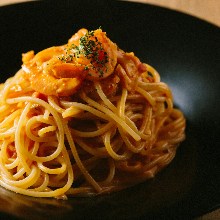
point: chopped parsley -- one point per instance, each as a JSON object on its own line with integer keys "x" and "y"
{"x": 91, "y": 48}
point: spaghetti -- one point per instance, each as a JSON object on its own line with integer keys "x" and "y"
{"x": 85, "y": 118}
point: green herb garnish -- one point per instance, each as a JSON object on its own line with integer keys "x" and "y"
{"x": 91, "y": 48}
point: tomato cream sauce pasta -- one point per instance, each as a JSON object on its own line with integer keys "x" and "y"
{"x": 85, "y": 118}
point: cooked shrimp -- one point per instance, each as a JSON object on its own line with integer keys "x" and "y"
{"x": 94, "y": 50}
{"x": 50, "y": 76}
{"x": 76, "y": 37}
{"x": 60, "y": 70}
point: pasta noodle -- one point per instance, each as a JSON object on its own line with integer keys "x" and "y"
{"x": 85, "y": 118}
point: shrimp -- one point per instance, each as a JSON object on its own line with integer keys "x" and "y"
{"x": 61, "y": 70}
{"x": 76, "y": 37}
{"x": 50, "y": 76}
{"x": 96, "y": 51}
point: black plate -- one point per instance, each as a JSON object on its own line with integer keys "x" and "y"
{"x": 185, "y": 51}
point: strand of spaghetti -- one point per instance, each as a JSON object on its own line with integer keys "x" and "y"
{"x": 115, "y": 117}
{"x": 147, "y": 96}
{"x": 156, "y": 87}
{"x": 159, "y": 160}
{"x": 86, "y": 190}
{"x": 19, "y": 173}
{"x": 96, "y": 133}
{"x": 3, "y": 151}
{"x": 58, "y": 170}
{"x": 5, "y": 157}
{"x": 111, "y": 152}
{"x": 5, "y": 90}
{"x": 155, "y": 74}
{"x": 109, "y": 104}
{"x": 120, "y": 107}
{"x": 167, "y": 159}
{"x": 111, "y": 173}
{"x": 178, "y": 122}
{"x": 53, "y": 102}
{"x": 19, "y": 140}
{"x": 32, "y": 155}
{"x": 147, "y": 117}
{"x": 8, "y": 84}
{"x": 123, "y": 74}
{"x": 8, "y": 111}
{"x": 133, "y": 167}
{"x": 45, "y": 130}
{"x": 131, "y": 124}
{"x": 79, "y": 163}
{"x": 159, "y": 124}
{"x": 33, "y": 122}
{"x": 72, "y": 112}
{"x": 104, "y": 98}
{"x": 9, "y": 133}
{"x": 86, "y": 108}
{"x": 44, "y": 184}
{"x": 121, "y": 112}
{"x": 12, "y": 165}
{"x": 46, "y": 114}
{"x": 177, "y": 139}
{"x": 136, "y": 117}
{"x": 54, "y": 193}
{"x": 49, "y": 120}
{"x": 4, "y": 170}
{"x": 34, "y": 150}
{"x": 27, "y": 181}
{"x": 121, "y": 103}
{"x": 10, "y": 118}
{"x": 128, "y": 144}
{"x": 4, "y": 107}
{"x": 56, "y": 178}
{"x": 160, "y": 146}
{"x": 98, "y": 152}
{"x": 56, "y": 118}
{"x": 169, "y": 104}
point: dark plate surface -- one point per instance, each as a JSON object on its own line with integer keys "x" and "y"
{"x": 185, "y": 51}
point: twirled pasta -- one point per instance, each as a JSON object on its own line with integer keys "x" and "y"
{"x": 85, "y": 118}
